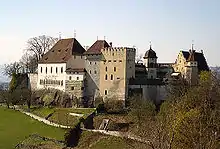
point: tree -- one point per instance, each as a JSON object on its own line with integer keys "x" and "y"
{"x": 11, "y": 68}
{"x": 138, "y": 58}
{"x": 28, "y": 62}
{"x": 40, "y": 45}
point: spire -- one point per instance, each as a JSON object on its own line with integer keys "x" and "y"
{"x": 59, "y": 35}
{"x": 74, "y": 33}
{"x": 150, "y": 45}
{"x": 192, "y": 45}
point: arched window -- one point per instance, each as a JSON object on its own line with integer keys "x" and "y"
{"x": 46, "y": 69}
{"x": 51, "y": 70}
{"x": 56, "y": 69}
{"x": 114, "y": 69}
{"x": 106, "y": 77}
{"x": 106, "y": 69}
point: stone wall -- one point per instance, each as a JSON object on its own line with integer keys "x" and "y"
{"x": 155, "y": 93}
{"x": 32, "y": 83}
{"x": 75, "y": 88}
{"x": 92, "y": 65}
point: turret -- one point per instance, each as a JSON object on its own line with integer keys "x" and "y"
{"x": 191, "y": 68}
{"x": 150, "y": 61}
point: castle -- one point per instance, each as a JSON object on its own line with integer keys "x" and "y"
{"x": 111, "y": 72}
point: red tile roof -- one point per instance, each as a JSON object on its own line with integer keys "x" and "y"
{"x": 97, "y": 46}
{"x": 62, "y": 51}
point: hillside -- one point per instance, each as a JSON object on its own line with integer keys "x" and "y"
{"x": 15, "y": 127}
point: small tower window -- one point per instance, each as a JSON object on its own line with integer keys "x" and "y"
{"x": 111, "y": 77}
{"x": 56, "y": 69}
{"x": 114, "y": 69}
{"x": 106, "y": 69}
{"x": 106, "y": 92}
{"x": 70, "y": 78}
{"x": 51, "y": 69}
{"x": 46, "y": 69}
{"x": 41, "y": 69}
{"x": 106, "y": 77}
{"x": 95, "y": 72}
{"x": 77, "y": 78}
{"x": 72, "y": 88}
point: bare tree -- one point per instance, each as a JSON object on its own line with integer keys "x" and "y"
{"x": 28, "y": 62}
{"x": 138, "y": 58}
{"x": 11, "y": 68}
{"x": 40, "y": 45}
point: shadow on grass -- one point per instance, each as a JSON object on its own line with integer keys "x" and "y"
{"x": 72, "y": 136}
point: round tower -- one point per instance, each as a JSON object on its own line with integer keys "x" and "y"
{"x": 150, "y": 61}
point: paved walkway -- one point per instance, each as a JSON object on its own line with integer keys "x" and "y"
{"x": 118, "y": 134}
{"x": 44, "y": 120}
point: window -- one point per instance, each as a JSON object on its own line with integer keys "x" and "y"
{"x": 72, "y": 87}
{"x": 109, "y": 60}
{"x": 56, "y": 69}
{"x": 82, "y": 88}
{"x": 70, "y": 78}
{"x": 90, "y": 71}
{"x": 62, "y": 83}
{"x": 120, "y": 61}
{"x": 95, "y": 72}
{"x": 111, "y": 77}
{"x": 95, "y": 63}
{"x": 51, "y": 69}
{"x": 106, "y": 77}
{"x": 114, "y": 60}
{"x": 114, "y": 69}
{"x": 74, "y": 56}
{"x": 106, "y": 92}
{"x": 90, "y": 63}
{"x": 106, "y": 69}
{"x": 46, "y": 69}
{"x": 81, "y": 57}
{"x": 41, "y": 69}
{"x": 77, "y": 78}
{"x": 61, "y": 69}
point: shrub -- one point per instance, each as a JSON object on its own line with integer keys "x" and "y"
{"x": 114, "y": 106}
{"x": 99, "y": 104}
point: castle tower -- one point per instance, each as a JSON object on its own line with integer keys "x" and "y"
{"x": 150, "y": 61}
{"x": 191, "y": 68}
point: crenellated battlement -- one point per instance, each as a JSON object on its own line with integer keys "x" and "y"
{"x": 119, "y": 50}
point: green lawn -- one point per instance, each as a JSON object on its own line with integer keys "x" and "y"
{"x": 15, "y": 126}
{"x": 60, "y": 115}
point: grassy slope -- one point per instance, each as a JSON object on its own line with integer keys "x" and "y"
{"x": 99, "y": 141}
{"x": 15, "y": 126}
{"x": 60, "y": 115}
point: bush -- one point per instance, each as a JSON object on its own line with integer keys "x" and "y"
{"x": 99, "y": 104}
{"x": 114, "y": 106}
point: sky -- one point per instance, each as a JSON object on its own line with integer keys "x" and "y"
{"x": 170, "y": 25}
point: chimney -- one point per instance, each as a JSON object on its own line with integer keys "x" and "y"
{"x": 110, "y": 44}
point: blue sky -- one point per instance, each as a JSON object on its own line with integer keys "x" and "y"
{"x": 171, "y": 25}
